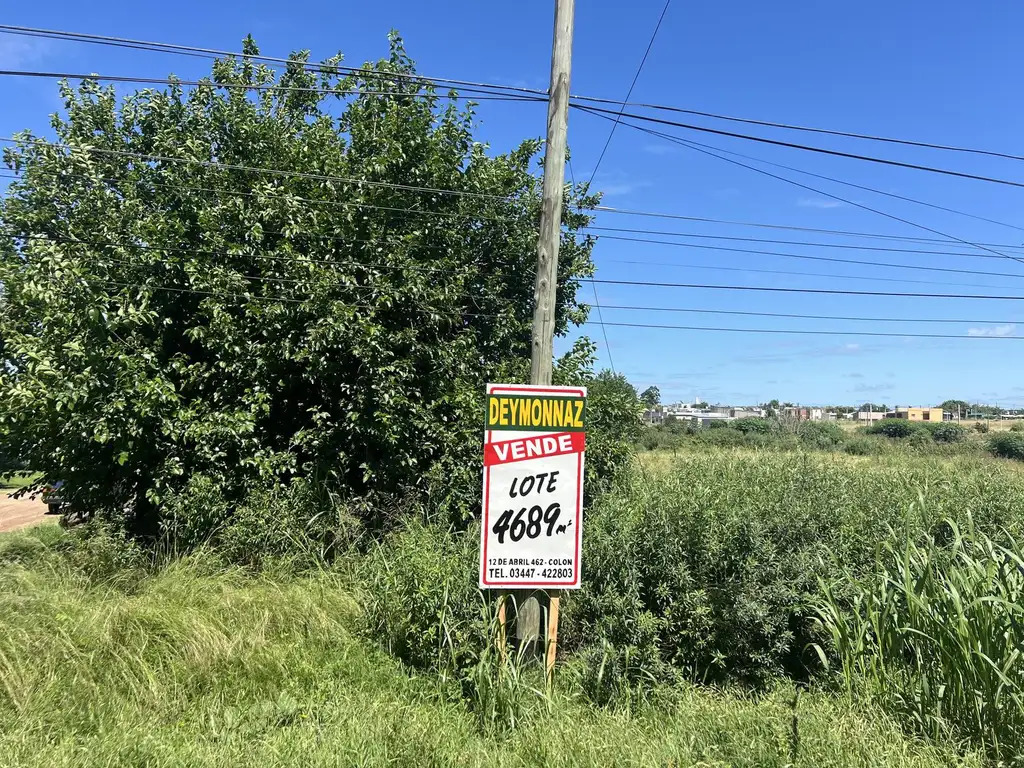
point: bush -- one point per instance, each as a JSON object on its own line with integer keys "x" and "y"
{"x": 1008, "y": 445}
{"x": 981, "y": 427}
{"x": 822, "y": 435}
{"x": 755, "y": 425}
{"x": 723, "y": 436}
{"x": 713, "y": 568}
{"x": 949, "y": 432}
{"x": 1017, "y": 426}
{"x": 863, "y": 446}
{"x": 421, "y": 598}
{"x": 920, "y": 439}
{"x": 894, "y": 428}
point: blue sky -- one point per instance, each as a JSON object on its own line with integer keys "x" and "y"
{"x": 941, "y": 71}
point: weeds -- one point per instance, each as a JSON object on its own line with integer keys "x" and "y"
{"x": 937, "y": 637}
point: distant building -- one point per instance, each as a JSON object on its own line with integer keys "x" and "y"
{"x": 867, "y": 416}
{"x": 803, "y": 414}
{"x": 916, "y": 414}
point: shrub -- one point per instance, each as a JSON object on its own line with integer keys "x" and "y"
{"x": 755, "y": 424}
{"x": 895, "y": 428}
{"x": 421, "y": 598}
{"x": 712, "y": 569}
{"x": 822, "y": 435}
{"x": 357, "y": 368}
{"x": 722, "y": 436}
{"x": 863, "y": 446}
{"x": 981, "y": 427}
{"x": 1017, "y": 426}
{"x": 949, "y": 433}
{"x": 920, "y": 439}
{"x": 936, "y": 637}
{"x": 1007, "y": 445}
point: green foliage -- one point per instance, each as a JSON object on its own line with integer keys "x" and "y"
{"x": 651, "y": 397}
{"x": 864, "y": 446}
{"x": 1017, "y": 426}
{"x": 936, "y": 636}
{"x": 421, "y": 598}
{"x": 981, "y": 427}
{"x": 181, "y": 319}
{"x": 895, "y": 428}
{"x": 614, "y": 411}
{"x": 948, "y": 432}
{"x": 755, "y": 424}
{"x": 218, "y": 668}
{"x": 711, "y": 568}
{"x": 1007, "y": 445}
{"x": 823, "y": 435}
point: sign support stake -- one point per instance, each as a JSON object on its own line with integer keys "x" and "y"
{"x": 554, "y": 598}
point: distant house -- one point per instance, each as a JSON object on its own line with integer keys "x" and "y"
{"x": 916, "y": 414}
{"x": 867, "y": 416}
{"x": 803, "y": 414}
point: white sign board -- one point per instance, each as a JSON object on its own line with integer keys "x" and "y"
{"x": 534, "y": 443}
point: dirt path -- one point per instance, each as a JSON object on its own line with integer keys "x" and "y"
{"x": 20, "y": 513}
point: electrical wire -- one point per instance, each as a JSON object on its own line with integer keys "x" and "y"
{"x": 258, "y": 169}
{"x": 210, "y": 53}
{"x": 804, "y": 147}
{"x": 892, "y": 334}
{"x": 837, "y": 197}
{"x": 748, "y": 313}
{"x": 915, "y": 201}
{"x": 805, "y": 243}
{"x": 477, "y": 94}
{"x": 803, "y": 128}
{"x": 754, "y": 271}
{"x": 804, "y": 257}
{"x": 604, "y": 150}
{"x": 213, "y": 53}
{"x": 828, "y": 291}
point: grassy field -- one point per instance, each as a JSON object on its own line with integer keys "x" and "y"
{"x": 13, "y": 482}
{"x": 193, "y": 664}
{"x": 717, "y": 565}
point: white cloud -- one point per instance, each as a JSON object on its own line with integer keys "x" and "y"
{"x": 820, "y": 203}
{"x": 999, "y": 330}
{"x": 616, "y": 189}
{"x": 19, "y": 51}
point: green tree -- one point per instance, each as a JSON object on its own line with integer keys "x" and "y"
{"x": 874, "y": 407}
{"x": 175, "y": 317}
{"x": 651, "y": 398}
{"x": 956, "y": 406}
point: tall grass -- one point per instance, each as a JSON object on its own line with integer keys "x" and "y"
{"x": 937, "y": 636}
{"x": 191, "y": 664}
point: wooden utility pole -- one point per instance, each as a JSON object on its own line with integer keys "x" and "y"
{"x": 528, "y": 611}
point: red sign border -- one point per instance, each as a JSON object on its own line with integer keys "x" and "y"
{"x": 577, "y": 565}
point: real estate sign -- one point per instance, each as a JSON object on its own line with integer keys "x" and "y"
{"x": 534, "y": 443}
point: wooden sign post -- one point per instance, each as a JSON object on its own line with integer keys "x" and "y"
{"x": 532, "y": 532}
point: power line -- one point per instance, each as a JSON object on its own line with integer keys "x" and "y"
{"x": 213, "y": 53}
{"x": 804, "y": 147}
{"x": 481, "y": 94}
{"x": 892, "y": 334}
{"x": 604, "y": 150}
{"x": 829, "y": 291}
{"x": 210, "y": 53}
{"x": 747, "y": 313}
{"x": 804, "y": 257}
{"x": 846, "y": 246}
{"x": 792, "y": 127}
{"x": 632, "y": 85}
{"x": 750, "y": 270}
{"x": 258, "y": 169}
{"x": 834, "y": 180}
{"x": 835, "y": 197}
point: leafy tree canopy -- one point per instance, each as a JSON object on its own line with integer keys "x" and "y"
{"x": 651, "y": 397}
{"x": 175, "y": 313}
